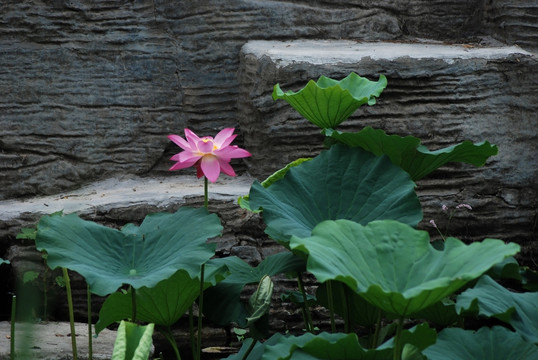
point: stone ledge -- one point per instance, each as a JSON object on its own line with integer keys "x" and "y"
{"x": 322, "y": 52}
{"x": 111, "y": 194}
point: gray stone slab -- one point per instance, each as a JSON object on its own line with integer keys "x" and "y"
{"x": 324, "y": 52}
{"x": 106, "y": 195}
{"x": 442, "y": 94}
{"x": 52, "y": 341}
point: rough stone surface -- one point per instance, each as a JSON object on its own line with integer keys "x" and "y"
{"x": 52, "y": 341}
{"x": 440, "y": 94}
{"x": 514, "y": 22}
{"x": 91, "y": 88}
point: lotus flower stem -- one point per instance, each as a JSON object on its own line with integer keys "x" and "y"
{"x": 90, "y": 342}
{"x": 200, "y": 307}
{"x": 71, "y": 314}
{"x": 331, "y": 305}
{"x": 206, "y": 195}
{"x": 13, "y": 316}
{"x": 306, "y": 309}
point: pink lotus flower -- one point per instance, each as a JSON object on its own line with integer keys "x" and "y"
{"x": 209, "y": 155}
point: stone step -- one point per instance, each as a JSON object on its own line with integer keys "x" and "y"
{"x": 442, "y": 94}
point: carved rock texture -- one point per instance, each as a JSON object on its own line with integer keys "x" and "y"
{"x": 443, "y": 101}
{"x": 92, "y": 88}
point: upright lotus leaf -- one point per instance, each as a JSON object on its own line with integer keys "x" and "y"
{"x": 394, "y": 266}
{"x": 490, "y": 299}
{"x": 163, "y": 304}
{"x": 497, "y": 343}
{"x": 133, "y": 341}
{"x": 139, "y": 256}
{"x": 407, "y": 153}
{"x": 222, "y": 303}
{"x": 340, "y": 183}
{"x": 328, "y": 102}
{"x": 258, "y": 309}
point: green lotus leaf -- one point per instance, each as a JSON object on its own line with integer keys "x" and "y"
{"x": 222, "y": 303}
{"x": 510, "y": 269}
{"x": 139, "y": 256}
{"x": 133, "y": 341}
{"x": 490, "y": 299}
{"x": 340, "y": 183}
{"x": 163, "y": 304}
{"x": 420, "y": 336}
{"x": 325, "y": 346}
{"x": 328, "y": 102}
{"x": 394, "y": 266}
{"x": 497, "y": 343}
{"x": 407, "y": 153}
{"x": 244, "y": 202}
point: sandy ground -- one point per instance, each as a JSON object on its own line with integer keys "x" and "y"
{"x": 52, "y": 341}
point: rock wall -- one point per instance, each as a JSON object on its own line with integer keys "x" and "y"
{"x": 441, "y": 94}
{"x": 91, "y": 88}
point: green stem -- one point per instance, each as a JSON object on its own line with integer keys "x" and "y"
{"x": 90, "y": 341}
{"x": 345, "y": 309}
{"x": 331, "y": 304}
{"x": 168, "y": 335}
{"x": 306, "y": 309}
{"x": 245, "y": 356}
{"x": 397, "y": 340}
{"x": 206, "y": 197}
{"x": 13, "y": 316}
{"x": 71, "y": 313}
{"x": 45, "y": 295}
{"x": 375, "y": 340}
{"x": 200, "y": 307}
{"x": 133, "y": 304}
{"x": 191, "y": 332}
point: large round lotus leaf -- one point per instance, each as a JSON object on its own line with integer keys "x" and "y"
{"x": 497, "y": 343}
{"x": 394, "y": 266}
{"x": 138, "y": 256}
{"x": 410, "y": 155}
{"x": 328, "y": 102}
{"x": 340, "y": 183}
